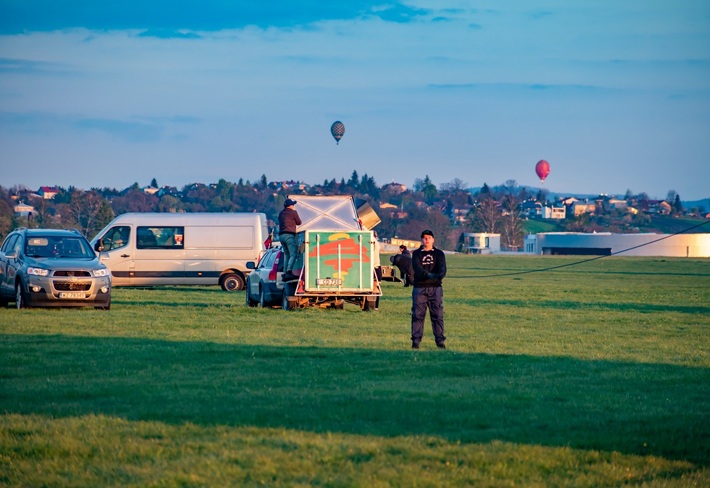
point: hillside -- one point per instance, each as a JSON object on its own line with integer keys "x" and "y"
{"x": 671, "y": 225}
{"x": 538, "y": 226}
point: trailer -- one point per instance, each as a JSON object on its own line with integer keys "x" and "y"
{"x": 335, "y": 256}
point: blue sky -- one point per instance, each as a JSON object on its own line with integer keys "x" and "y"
{"x": 615, "y": 96}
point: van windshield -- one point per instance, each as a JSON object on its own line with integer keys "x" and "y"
{"x": 58, "y": 247}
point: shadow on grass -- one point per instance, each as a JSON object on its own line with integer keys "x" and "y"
{"x": 644, "y": 409}
{"x": 505, "y": 272}
{"x": 561, "y": 305}
{"x": 165, "y": 303}
{"x": 210, "y": 289}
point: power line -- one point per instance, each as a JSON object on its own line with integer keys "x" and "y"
{"x": 584, "y": 260}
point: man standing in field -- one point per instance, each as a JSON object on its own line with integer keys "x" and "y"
{"x": 288, "y": 220}
{"x": 429, "y": 265}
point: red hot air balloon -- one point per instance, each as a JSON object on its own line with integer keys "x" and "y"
{"x": 542, "y": 168}
{"x": 337, "y": 129}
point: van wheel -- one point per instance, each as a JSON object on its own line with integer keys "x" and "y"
{"x": 232, "y": 282}
{"x": 20, "y": 301}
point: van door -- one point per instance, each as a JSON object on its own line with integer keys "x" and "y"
{"x": 200, "y": 254}
{"x": 160, "y": 256}
{"x": 117, "y": 248}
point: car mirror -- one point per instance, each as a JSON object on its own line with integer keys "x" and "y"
{"x": 98, "y": 246}
{"x": 11, "y": 255}
{"x": 251, "y": 265}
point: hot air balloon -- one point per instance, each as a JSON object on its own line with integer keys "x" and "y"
{"x": 337, "y": 129}
{"x": 542, "y": 168}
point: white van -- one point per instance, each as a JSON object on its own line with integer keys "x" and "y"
{"x": 146, "y": 249}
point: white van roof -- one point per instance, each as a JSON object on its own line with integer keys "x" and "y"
{"x": 192, "y": 219}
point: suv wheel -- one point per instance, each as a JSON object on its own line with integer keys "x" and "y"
{"x": 20, "y": 301}
{"x": 232, "y": 282}
{"x": 262, "y": 299}
{"x": 250, "y": 302}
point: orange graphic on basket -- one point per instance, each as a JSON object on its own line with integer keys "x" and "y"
{"x": 350, "y": 252}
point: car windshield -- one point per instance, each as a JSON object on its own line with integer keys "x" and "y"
{"x": 58, "y": 247}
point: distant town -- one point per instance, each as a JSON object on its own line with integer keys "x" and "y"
{"x": 450, "y": 210}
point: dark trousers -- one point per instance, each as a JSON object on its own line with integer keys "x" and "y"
{"x": 431, "y": 297}
{"x": 378, "y": 275}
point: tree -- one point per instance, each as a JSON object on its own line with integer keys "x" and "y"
{"x": 456, "y": 191}
{"x": 511, "y": 222}
{"x": 354, "y": 180}
{"x": 426, "y": 188}
{"x": 89, "y": 212}
{"x": 485, "y": 216}
{"x": 677, "y": 205}
{"x": 169, "y": 204}
{"x": 154, "y": 183}
{"x": 542, "y": 195}
{"x": 42, "y": 214}
{"x": 670, "y": 197}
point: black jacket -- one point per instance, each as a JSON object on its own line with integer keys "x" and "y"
{"x": 429, "y": 267}
{"x": 404, "y": 263}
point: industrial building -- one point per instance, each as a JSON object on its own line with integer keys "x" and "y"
{"x": 605, "y": 243}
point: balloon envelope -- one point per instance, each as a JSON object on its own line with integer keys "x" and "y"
{"x": 542, "y": 168}
{"x": 337, "y": 129}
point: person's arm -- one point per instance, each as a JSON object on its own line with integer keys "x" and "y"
{"x": 440, "y": 264}
{"x": 298, "y": 218}
{"x": 419, "y": 273}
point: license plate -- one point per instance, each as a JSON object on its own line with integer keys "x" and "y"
{"x": 329, "y": 282}
{"x": 72, "y": 294}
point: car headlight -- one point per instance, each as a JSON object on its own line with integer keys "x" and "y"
{"x": 101, "y": 272}
{"x": 37, "y": 271}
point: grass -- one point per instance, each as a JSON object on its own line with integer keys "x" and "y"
{"x": 593, "y": 375}
{"x": 537, "y": 226}
{"x": 671, "y": 225}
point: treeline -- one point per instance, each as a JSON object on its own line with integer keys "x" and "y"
{"x": 90, "y": 211}
{"x": 448, "y": 210}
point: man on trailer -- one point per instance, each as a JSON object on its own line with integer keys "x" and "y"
{"x": 288, "y": 222}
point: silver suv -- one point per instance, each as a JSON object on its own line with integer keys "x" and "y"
{"x": 264, "y": 286}
{"x": 52, "y": 268}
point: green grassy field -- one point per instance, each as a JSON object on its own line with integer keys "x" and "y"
{"x": 538, "y": 226}
{"x": 592, "y": 375}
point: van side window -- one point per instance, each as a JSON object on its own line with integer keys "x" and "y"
{"x": 160, "y": 237}
{"x": 115, "y": 238}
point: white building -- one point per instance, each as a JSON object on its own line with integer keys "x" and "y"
{"x": 553, "y": 212}
{"x": 481, "y": 243}
{"x": 23, "y": 210}
{"x": 604, "y": 243}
